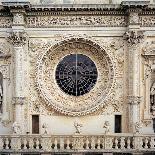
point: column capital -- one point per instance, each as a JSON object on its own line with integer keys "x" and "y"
{"x": 133, "y": 37}
{"x": 19, "y": 100}
{"x": 134, "y": 100}
{"x": 18, "y": 38}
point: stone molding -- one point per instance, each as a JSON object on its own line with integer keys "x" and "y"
{"x": 17, "y": 38}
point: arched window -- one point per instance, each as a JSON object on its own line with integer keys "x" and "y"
{"x": 1, "y": 93}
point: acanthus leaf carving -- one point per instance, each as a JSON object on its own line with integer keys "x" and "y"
{"x": 133, "y": 37}
{"x": 17, "y": 38}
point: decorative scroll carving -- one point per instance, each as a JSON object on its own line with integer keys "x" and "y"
{"x": 50, "y": 21}
{"x": 17, "y": 38}
{"x": 137, "y": 126}
{"x": 133, "y": 37}
{"x": 134, "y": 100}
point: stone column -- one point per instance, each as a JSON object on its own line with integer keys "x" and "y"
{"x": 134, "y": 36}
{"x": 18, "y": 40}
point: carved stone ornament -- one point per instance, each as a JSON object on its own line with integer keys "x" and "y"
{"x": 17, "y": 38}
{"x": 18, "y": 19}
{"x": 134, "y": 18}
{"x": 133, "y": 37}
{"x": 59, "y": 100}
{"x": 19, "y": 100}
{"x": 134, "y": 99}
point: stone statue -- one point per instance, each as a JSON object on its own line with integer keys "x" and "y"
{"x": 107, "y": 127}
{"x": 45, "y": 127}
{"x": 1, "y": 98}
{"x": 16, "y": 128}
{"x": 77, "y": 126}
{"x": 137, "y": 127}
{"x": 152, "y": 91}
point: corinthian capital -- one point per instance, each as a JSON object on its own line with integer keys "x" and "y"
{"x": 19, "y": 100}
{"x": 17, "y": 38}
{"x": 133, "y": 37}
{"x": 134, "y": 100}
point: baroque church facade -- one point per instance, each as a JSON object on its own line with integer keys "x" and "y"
{"x": 77, "y": 77}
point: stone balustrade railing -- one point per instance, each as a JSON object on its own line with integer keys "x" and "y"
{"x": 72, "y": 143}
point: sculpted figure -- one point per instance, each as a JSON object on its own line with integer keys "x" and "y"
{"x": 107, "y": 127}
{"x": 45, "y": 127}
{"x": 77, "y": 126}
{"x": 153, "y": 89}
{"x": 16, "y": 128}
{"x": 137, "y": 127}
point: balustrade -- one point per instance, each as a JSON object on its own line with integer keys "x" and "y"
{"x": 52, "y": 143}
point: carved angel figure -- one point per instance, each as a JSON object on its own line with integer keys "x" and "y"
{"x": 78, "y": 126}
{"x": 107, "y": 127}
{"x": 16, "y": 128}
{"x": 137, "y": 127}
{"x": 45, "y": 127}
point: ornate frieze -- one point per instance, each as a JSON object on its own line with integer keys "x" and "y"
{"x": 147, "y": 21}
{"x": 134, "y": 100}
{"x": 17, "y": 38}
{"x": 51, "y": 21}
{"x": 6, "y": 22}
{"x": 133, "y": 37}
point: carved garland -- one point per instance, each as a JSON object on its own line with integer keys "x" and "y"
{"x": 51, "y": 92}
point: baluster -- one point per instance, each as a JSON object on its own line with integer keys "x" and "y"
{"x": 92, "y": 143}
{"x": 152, "y": 142}
{"x": 55, "y": 143}
{"x": 31, "y": 143}
{"x": 68, "y": 142}
{"x": 61, "y": 143}
{"x": 7, "y": 143}
{"x": 25, "y": 143}
{"x": 116, "y": 143}
{"x": 128, "y": 143}
{"x": 87, "y": 143}
{"x": 122, "y": 142}
{"x": 1, "y": 143}
{"x": 146, "y": 143}
{"x": 37, "y": 143}
{"x": 98, "y": 143}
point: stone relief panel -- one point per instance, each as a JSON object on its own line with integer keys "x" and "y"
{"x": 52, "y": 21}
{"x": 38, "y": 47}
{"x": 6, "y": 22}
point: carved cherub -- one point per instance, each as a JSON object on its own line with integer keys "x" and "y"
{"x": 106, "y": 126}
{"x": 78, "y": 126}
{"x": 45, "y": 127}
{"x": 137, "y": 127}
{"x": 16, "y": 128}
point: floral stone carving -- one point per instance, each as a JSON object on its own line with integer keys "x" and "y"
{"x": 68, "y": 104}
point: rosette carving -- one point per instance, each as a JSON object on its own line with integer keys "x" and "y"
{"x": 59, "y": 100}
